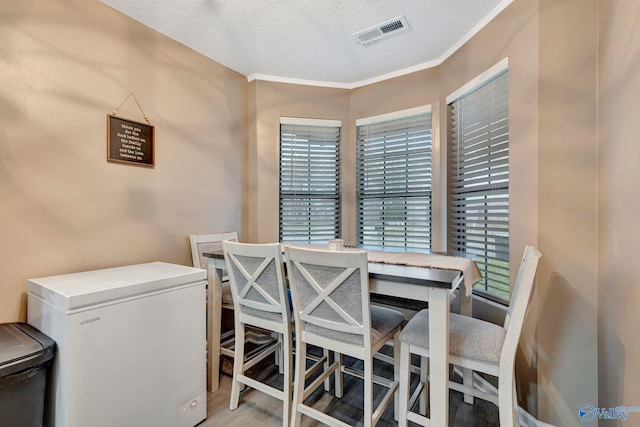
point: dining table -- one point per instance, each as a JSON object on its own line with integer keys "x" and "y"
{"x": 416, "y": 282}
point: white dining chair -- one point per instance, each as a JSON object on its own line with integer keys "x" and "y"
{"x": 201, "y": 243}
{"x": 260, "y": 299}
{"x": 474, "y": 344}
{"x": 330, "y": 293}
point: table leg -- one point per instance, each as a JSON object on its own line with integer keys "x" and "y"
{"x": 214, "y": 320}
{"x": 466, "y": 309}
{"x": 439, "y": 355}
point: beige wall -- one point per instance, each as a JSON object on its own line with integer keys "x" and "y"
{"x": 619, "y": 204}
{"x": 567, "y": 279}
{"x": 63, "y": 66}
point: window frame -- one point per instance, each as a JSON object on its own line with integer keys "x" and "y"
{"x": 312, "y": 196}
{"x": 498, "y": 191}
{"x": 389, "y": 150}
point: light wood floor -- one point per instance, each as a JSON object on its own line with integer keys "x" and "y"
{"x": 258, "y": 409}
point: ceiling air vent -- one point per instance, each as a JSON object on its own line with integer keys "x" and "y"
{"x": 383, "y": 30}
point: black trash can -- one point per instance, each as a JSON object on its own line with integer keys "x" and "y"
{"x": 25, "y": 356}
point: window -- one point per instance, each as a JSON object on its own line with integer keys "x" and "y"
{"x": 394, "y": 181}
{"x": 478, "y": 218}
{"x": 309, "y": 180}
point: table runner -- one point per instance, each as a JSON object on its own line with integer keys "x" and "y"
{"x": 467, "y": 266}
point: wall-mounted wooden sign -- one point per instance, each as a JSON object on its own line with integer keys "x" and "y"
{"x": 129, "y": 142}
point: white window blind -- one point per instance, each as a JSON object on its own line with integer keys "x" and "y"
{"x": 394, "y": 184}
{"x": 309, "y": 182}
{"x": 478, "y": 219}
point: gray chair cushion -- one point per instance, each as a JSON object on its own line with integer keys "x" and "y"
{"x": 383, "y": 321}
{"x": 468, "y": 337}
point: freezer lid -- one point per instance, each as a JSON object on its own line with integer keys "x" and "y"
{"x": 77, "y": 290}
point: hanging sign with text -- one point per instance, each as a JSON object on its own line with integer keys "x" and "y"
{"x": 129, "y": 142}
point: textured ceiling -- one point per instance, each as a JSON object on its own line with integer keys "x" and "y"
{"x": 312, "y": 40}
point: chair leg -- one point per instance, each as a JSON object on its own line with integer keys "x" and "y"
{"x": 466, "y": 309}
{"x": 424, "y": 379}
{"x": 214, "y": 323}
{"x": 238, "y": 367}
{"x": 368, "y": 391}
{"x": 338, "y": 391}
{"x": 467, "y": 380}
{"x": 396, "y": 372}
{"x": 405, "y": 379}
{"x": 327, "y": 354}
{"x": 298, "y": 386}
{"x": 286, "y": 362}
{"x": 506, "y": 405}
{"x": 516, "y": 419}
{"x": 279, "y": 355}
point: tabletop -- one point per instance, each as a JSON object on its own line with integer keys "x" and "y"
{"x": 432, "y": 277}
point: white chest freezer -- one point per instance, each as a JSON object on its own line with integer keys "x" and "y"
{"x": 131, "y": 345}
